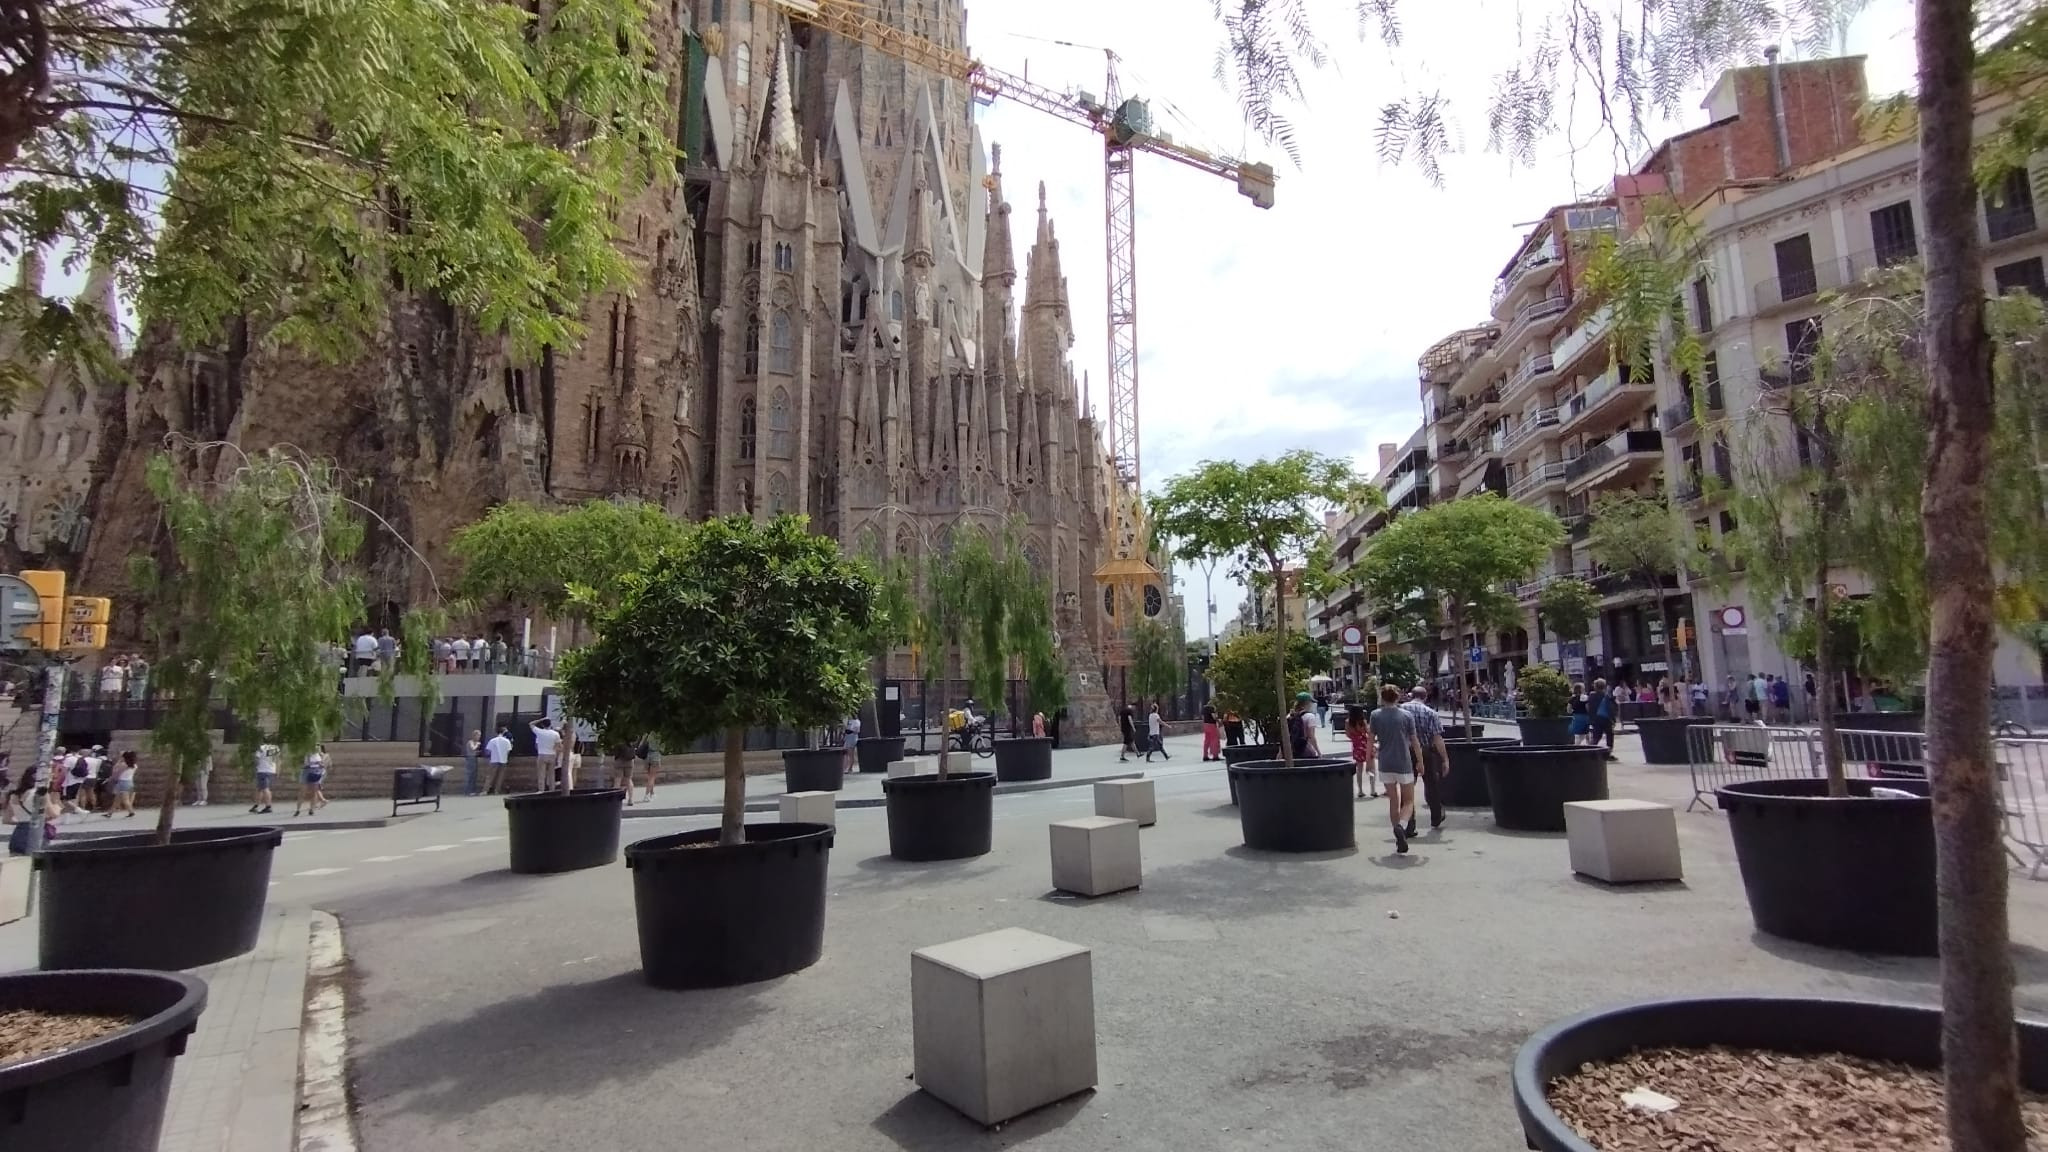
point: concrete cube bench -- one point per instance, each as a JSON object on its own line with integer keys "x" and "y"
{"x": 1127, "y": 800}
{"x": 1003, "y": 1023}
{"x": 807, "y": 808}
{"x": 1095, "y": 855}
{"x": 1623, "y": 841}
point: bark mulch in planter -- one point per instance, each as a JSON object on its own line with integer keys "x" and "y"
{"x": 1743, "y": 1100}
{"x": 26, "y": 1032}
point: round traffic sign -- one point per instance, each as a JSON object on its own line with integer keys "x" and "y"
{"x": 1353, "y": 634}
{"x": 1733, "y": 617}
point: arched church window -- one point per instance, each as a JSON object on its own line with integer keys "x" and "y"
{"x": 896, "y": 305}
{"x": 778, "y": 424}
{"x": 747, "y": 428}
{"x": 785, "y": 257}
{"x": 778, "y": 494}
{"x": 751, "y": 358}
{"x": 742, "y": 65}
{"x": 782, "y": 346}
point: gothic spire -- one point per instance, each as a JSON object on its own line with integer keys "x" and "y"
{"x": 999, "y": 256}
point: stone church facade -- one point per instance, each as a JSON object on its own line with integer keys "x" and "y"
{"x": 825, "y": 319}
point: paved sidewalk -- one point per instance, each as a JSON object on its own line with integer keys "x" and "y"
{"x": 236, "y": 1087}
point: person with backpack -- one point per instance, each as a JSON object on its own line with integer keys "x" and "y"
{"x": 1603, "y": 710}
{"x": 650, "y": 760}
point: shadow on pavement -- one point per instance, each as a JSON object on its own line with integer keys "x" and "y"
{"x": 922, "y": 1123}
{"x": 886, "y": 871}
{"x": 1220, "y": 812}
{"x": 2030, "y": 964}
{"x": 1243, "y": 883}
{"x": 1630, "y": 888}
{"x": 564, "y": 1041}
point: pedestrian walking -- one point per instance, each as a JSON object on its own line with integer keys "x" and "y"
{"x": 1322, "y": 699}
{"x": 1753, "y": 699}
{"x": 266, "y": 773}
{"x": 1212, "y": 736}
{"x": 852, "y": 743}
{"x": 1155, "y": 732}
{"x": 1393, "y": 731}
{"x": 1303, "y": 733}
{"x": 1362, "y": 758}
{"x": 1781, "y": 700}
{"x": 123, "y": 783}
{"x": 498, "y": 754}
{"x": 1697, "y": 691}
{"x": 85, "y": 773}
{"x": 1436, "y": 759}
{"x": 387, "y": 651}
{"x": 546, "y": 741}
{"x": 1130, "y": 733}
{"x": 622, "y": 770}
{"x": 366, "y": 654}
{"x": 200, "y": 781}
{"x": 650, "y": 761}
{"x": 312, "y": 782}
{"x": 1604, "y": 710}
{"x": 1233, "y": 728}
{"x": 471, "y": 749}
{"x": 1582, "y": 715}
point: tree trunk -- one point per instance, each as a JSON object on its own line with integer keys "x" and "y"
{"x": 1979, "y": 1057}
{"x": 167, "y": 810}
{"x": 1824, "y": 657}
{"x": 1459, "y": 663}
{"x": 945, "y": 712}
{"x": 1280, "y": 660}
{"x": 732, "y": 814}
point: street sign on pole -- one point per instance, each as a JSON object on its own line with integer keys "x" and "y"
{"x": 20, "y": 610}
{"x": 1354, "y": 639}
{"x": 1477, "y": 654}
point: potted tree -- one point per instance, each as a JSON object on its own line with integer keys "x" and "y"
{"x": 88, "y": 1063}
{"x": 252, "y": 582}
{"x": 1634, "y": 542}
{"x": 570, "y": 564}
{"x": 1015, "y": 610}
{"x": 1242, "y": 674}
{"x": 895, "y": 615}
{"x": 744, "y": 624}
{"x": 950, "y": 815}
{"x": 1547, "y": 701}
{"x": 1156, "y": 671}
{"x": 1528, "y": 784}
{"x": 1267, "y": 517}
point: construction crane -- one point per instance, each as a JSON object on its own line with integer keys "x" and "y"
{"x": 1125, "y": 125}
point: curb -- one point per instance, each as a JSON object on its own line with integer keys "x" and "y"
{"x": 325, "y": 1124}
{"x": 89, "y": 832}
{"x": 1008, "y": 788}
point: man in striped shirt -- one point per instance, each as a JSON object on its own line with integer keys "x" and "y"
{"x": 1436, "y": 759}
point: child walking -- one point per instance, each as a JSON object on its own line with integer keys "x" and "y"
{"x": 1361, "y": 750}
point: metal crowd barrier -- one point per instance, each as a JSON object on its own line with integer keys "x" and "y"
{"x": 1724, "y": 754}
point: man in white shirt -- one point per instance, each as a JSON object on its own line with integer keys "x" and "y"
{"x": 458, "y": 654}
{"x": 1156, "y": 731}
{"x": 366, "y": 653}
{"x": 546, "y": 741}
{"x": 498, "y": 749}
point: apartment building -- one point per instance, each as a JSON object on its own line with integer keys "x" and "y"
{"x": 1406, "y": 477}
{"x": 1776, "y": 252}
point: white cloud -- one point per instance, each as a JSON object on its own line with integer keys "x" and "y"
{"x": 1297, "y": 326}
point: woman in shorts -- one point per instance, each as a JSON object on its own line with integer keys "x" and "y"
{"x": 650, "y": 760}
{"x": 312, "y": 779}
{"x": 1361, "y": 751}
{"x": 124, "y": 786}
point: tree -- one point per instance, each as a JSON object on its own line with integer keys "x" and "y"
{"x": 1258, "y": 517}
{"x": 1243, "y": 672}
{"x": 1460, "y": 555}
{"x": 1634, "y": 536}
{"x": 894, "y": 618}
{"x": 275, "y": 169}
{"x": 1638, "y": 58}
{"x": 1568, "y": 608}
{"x": 1155, "y": 661}
{"x": 254, "y": 588}
{"x": 985, "y": 604}
{"x": 1399, "y": 668}
{"x": 742, "y": 624}
{"x": 538, "y": 557}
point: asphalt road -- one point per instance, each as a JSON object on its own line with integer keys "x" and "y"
{"x": 1244, "y": 1001}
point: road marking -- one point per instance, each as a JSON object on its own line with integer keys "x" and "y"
{"x": 482, "y": 839}
{"x": 319, "y": 871}
{"x": 383, "y": 859}
{"x": 438, "y": 848}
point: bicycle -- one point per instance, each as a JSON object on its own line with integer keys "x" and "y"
{"x": 2011, "y": 730}
{"x": 976, "y": 738}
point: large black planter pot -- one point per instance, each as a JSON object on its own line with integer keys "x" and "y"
{"x": 1246, "y": 754}
{"x": 1881, "y": 721}
{"x": 1466, "y": 787}
{"x": 876, "y": 753}
{"x": 1472, "y": 731}
{"x": 1546, "y": 731}
{"x": 106, "y": 1095}
{"x": 1665, "y": 740}
{"x": 1024, "y": 758}
{"x": 717, "y": 915}
{"x": 128, "y": 902}
{"x": 554, "y": 832}
{"x": 1529, "y": 787}
{"x": 934, "y": 818}
{"x": 815, "y": 769}
{"x": 1900, "y": 1033}
{"x": 1854, "y": 873}
{"x": 1303, "y": 808}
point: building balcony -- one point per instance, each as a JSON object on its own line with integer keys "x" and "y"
{"x": 1404, "y": 485}
{"x": 1538, "y": 479}
{"x": 1612, "y": 391}
{"x": 1589, "y": 336}
{"x": 1531, "y": 271}
{"x": 1535, "y": 316}
{"x": 1684, "y": 415}
{"x": 1692, "y": 490}
{"x": 1531, "y": 424}
{"x": 1528, "y": 591}
{"x": 1621, "y": 459}
{"x": 1534, "y": 368}
{"x": 1801, "y": 287}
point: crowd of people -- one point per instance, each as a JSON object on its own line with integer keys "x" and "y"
{"x": 375, "y": 652}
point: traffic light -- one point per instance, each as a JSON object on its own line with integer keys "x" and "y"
{"x": 1372, "y": 648}
{"x": 47, "y": 634}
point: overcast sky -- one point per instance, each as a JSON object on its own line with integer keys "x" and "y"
{"x": 1298, "y": 326}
